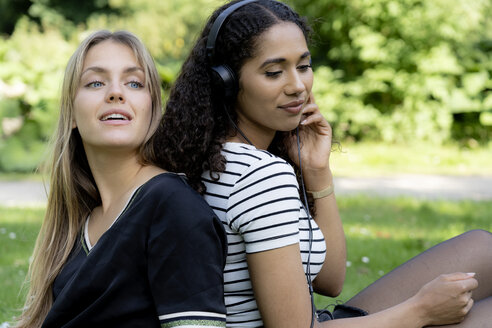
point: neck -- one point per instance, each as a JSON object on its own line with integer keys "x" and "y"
{"x": 117, "y": 174}
{"x": 239, "y": 139}
{"x": 245, "y": 131}
{"x": 259, "y": 140}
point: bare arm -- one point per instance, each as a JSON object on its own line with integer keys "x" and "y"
{"x": 283, "y": 299}
{"x": 330, "y": 279}
{"x": 316, "y": 140}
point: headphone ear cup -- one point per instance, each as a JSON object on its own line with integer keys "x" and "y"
{"x": 223, "y": 78}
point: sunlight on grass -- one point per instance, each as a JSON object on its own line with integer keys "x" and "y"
{"x": 18, "y": 230}
{"x": 384, "y": 233}
{"x": 381, "y": 234}
{"x": 374, "y": 159}
{"x": 36, "y": 176}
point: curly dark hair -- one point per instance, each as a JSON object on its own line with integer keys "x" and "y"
{"x": 195, "y": 124}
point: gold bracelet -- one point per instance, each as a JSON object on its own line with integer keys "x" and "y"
{"x": 323, "y": 193}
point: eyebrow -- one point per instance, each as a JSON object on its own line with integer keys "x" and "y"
{"x": 281, "y": 59}
{"x": 98, "y": 69}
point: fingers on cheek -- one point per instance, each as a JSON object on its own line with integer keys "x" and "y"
{"x": 316, "y": 118}
{"x": 310, "y": 108}
{"x": 307, "y": 119}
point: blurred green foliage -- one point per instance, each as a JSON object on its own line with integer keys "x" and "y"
{"x": 403, "y": 70}
{"x": 386, "y": 70}
{"x": 10, "y": 11}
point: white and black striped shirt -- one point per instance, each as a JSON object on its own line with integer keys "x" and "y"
{"x": 257, "y": 200}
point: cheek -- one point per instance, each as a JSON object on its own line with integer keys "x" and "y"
{"x": 146, "y": 103}
{"x": 267, "y": 96}
{"x": 76, "y": 112}
{"x": 82, "y": 109}
{"x": 308, "y": 82}
{"x": 259, "y": 92}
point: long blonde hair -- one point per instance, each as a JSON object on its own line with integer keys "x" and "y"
{"x": 73, "y": 192}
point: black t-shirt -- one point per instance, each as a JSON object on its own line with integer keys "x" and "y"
{"x": 159, "y": 265}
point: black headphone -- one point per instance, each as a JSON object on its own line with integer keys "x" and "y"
{"x": 223, "y": 77}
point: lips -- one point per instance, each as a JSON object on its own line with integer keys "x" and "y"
{"x": 293, "y": 107}
{"x": 115, "y": 115}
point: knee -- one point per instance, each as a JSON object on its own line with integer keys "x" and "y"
{"x": 479, "y": 233}
{"x": 479, "y": 237}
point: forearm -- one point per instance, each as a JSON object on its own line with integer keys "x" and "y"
{"x": 403, "y": 315}
{"x": 332, "y": 275}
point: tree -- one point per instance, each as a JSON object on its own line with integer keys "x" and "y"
{"x": 10, "y": 12}
{"x": 397, "y": 70}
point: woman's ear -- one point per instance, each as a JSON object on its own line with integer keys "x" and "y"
{"x": 74, "y": 124}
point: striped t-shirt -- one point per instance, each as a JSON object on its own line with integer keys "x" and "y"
{"x": 257, "y": 200}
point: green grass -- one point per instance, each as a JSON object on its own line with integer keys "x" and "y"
{"x": 378, "y": 159}
{"x": 390, "y": 231}
{"x": 382, "y": 159}
{"x": 387, "y": 231}
{"x": 18, "y": 231}
{"x": 21, "y": 176}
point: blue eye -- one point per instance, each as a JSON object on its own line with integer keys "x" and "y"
{"x": 135, "y": 84}
{"x": 94, "y": 84}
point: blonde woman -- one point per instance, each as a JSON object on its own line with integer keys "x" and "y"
{"x": 123, "y": 243}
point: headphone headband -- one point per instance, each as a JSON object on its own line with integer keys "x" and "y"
{"x": 219, "y": 21}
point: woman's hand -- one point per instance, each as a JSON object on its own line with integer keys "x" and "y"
{"x": 315, "y": 138}
{"x": 446, "y": 299}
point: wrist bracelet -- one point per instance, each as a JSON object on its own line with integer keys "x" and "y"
{"x": 323, "y": 193}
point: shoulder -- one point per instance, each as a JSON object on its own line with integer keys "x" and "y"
{"x": 169, "y": 196}
{"x": 248, "y": 160}
{"x": 257, "y": 165}
{"x": 263, "y": 202}
{"x": 247, "y": 153}
{"x": 168, "y": 187}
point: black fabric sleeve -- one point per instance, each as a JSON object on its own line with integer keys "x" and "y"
{"x": 187, "y": 248}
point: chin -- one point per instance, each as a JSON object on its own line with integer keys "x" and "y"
{"x": 290, "y": 126}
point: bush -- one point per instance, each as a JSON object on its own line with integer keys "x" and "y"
{"x": 397, "y": 70}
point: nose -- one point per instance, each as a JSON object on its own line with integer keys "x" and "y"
{"x": 115, "y": 94}
{"x": 295, "y": 85}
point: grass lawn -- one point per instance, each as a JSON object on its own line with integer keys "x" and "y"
{"x": 18, "y": 231}
{"x": 34, "y": 176}
{"x": 379, "y": 159}
{"x": 381, "y": 233}
{"x": 382, "y": 159}
{"x": 385, "y": 232}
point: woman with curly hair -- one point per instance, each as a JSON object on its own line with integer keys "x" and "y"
{"x": 123, "y": 243}
{"x": 228, "y": 124}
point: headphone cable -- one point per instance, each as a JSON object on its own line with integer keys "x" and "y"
{"x": 306, "y": 208}
{"x": 235, "y": 126}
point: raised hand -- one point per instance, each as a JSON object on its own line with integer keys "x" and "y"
{"x": 315, "y": 137}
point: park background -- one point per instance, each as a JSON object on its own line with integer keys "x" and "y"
{"x": 406, "y": 85}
